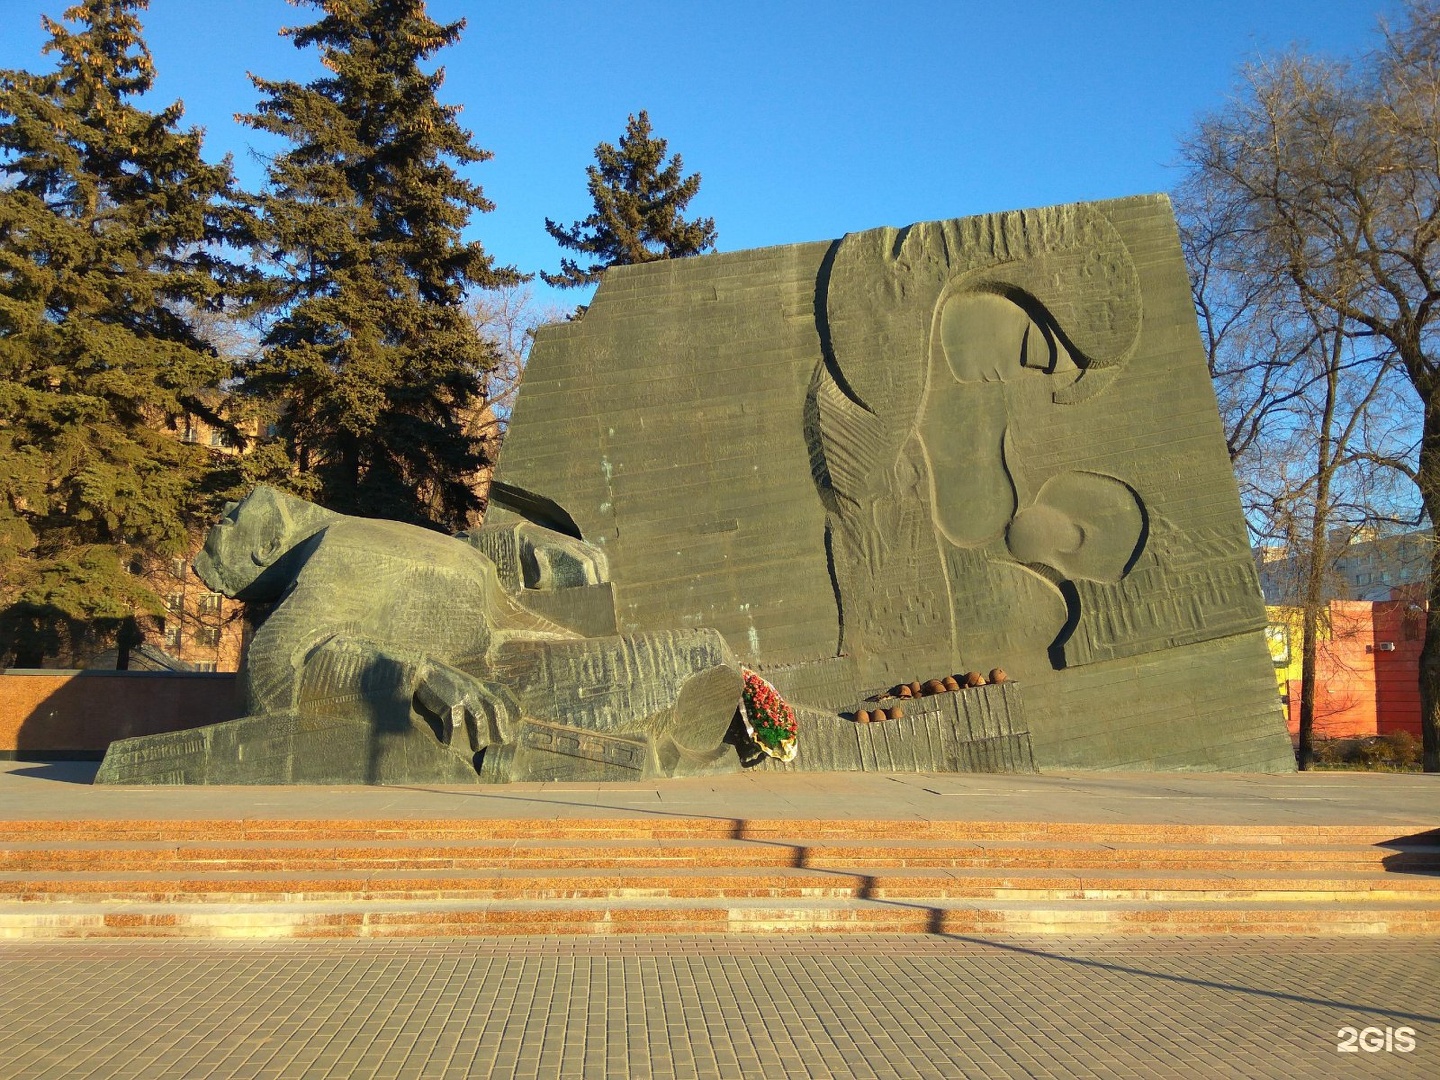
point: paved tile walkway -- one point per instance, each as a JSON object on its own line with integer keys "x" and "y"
{"x": 708, "y": 1007}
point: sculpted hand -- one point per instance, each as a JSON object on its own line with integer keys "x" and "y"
{"x": 461, "y": 702}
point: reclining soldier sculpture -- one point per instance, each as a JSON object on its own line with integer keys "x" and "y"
{"x": 395, "y": 654}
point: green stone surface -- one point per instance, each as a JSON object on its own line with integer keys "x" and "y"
{"x": 908, "y": 453}
{"x": 895, "y": 458}
{"x": 394, "y": 654}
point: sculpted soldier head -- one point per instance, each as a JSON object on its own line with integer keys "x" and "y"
{"x": 254, "y": 535}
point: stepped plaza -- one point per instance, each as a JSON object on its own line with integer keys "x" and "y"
{"x": 761, "y": 924}
{"x": 751, "y": 853}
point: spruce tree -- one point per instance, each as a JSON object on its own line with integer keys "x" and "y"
{"x": 639, "y": 199}
{"x": 107, "y": 217}
{"x": 370, "y": 348}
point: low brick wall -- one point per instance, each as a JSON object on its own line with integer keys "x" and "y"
{"x": 50, "y": 715}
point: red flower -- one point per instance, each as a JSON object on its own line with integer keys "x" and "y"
{"x": 770, "y": 715}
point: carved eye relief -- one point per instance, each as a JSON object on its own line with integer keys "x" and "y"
{"x": 267, "y": 552}
{"x": 1042, "y": 351}
{"x": 986, "y": 337}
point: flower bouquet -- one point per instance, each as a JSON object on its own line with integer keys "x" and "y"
{"x": 769, "y": 721}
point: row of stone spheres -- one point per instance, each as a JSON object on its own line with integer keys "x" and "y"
{"x": 838, "y": 467}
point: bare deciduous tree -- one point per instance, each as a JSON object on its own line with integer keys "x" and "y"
{"x": 1327, "y": 177}
{"x": 507, "y": 319}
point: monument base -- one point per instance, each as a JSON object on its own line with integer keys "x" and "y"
{"x": 981, "y": 729}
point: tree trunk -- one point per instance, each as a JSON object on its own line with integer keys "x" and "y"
{"x": 126, "y": 638}
{"x": 1429, "y": 483}
{"x": 1305, "y": 749}
{"x": 1319, "y": 561}
{"x": 1430, "y": 676}
{"x": 1311, "y": 604}
{"x": 29, "y": 652}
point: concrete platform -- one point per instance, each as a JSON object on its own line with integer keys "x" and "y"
{"x": 62, "y": 790}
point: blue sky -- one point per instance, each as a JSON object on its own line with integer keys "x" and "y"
{"x": 807, "y": 120}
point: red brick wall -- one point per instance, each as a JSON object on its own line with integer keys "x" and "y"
{"x": 79, "y": 713}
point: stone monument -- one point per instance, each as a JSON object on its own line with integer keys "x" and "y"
{"x": 983, "y": 442}
{"x": 860, "y": 468}
{"x": 394, "y": 654}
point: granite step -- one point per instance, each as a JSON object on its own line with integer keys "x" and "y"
{"x": 588, "y": 883}
{"x": 701, "y": 916}
{"x": 668, "y": 827}
{"x": 800, "y": 851}
{"x": 422, "y": 877}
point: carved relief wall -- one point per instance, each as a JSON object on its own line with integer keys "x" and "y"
{"x": 982, "y": 442}
{"x": 959, "y": 358}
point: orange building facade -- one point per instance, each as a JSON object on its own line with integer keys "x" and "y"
{"x": 1367, "y": 666}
